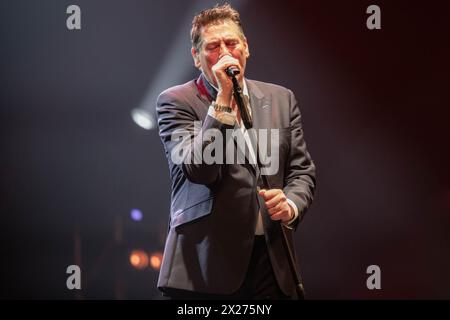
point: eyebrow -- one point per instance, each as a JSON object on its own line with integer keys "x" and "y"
{"x": 213, "y": 40}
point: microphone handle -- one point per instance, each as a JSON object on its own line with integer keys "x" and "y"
{"x": 239, "y": 98}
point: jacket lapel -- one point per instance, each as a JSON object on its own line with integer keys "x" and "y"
{"x": 261, "y": 108}
{"x": 261, "y": 111}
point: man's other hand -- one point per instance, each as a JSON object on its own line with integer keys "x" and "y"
{"x": 277, "y": 204}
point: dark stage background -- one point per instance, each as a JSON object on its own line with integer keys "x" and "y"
{"x": 74, "y": 164}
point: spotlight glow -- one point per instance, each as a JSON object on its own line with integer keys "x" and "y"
{"x": 136, "y": 214}
{"x": 156, "y": 260}
{"x": 143, "y": 119}
{"x": 139, "y": 259}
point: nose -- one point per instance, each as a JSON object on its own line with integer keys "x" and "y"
{"x": 224, "y": 51}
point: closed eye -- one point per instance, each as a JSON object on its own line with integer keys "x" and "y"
{"x": 231, "y": 43}
{"x": 212, "y": 46}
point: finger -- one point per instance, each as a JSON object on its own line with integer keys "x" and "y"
{"x": 282, "y": 215}
{"x": 219, "y": 67}
{"x": 261, "y": 192}
{"x": 279, "y": 207}
{"x": 277, "y": 216}
{"x": 226, "y": 61}
{"x": 274, "y": 210}
{"x": 269, "y": 194}
{"x": 278, "y": 199}
{"x": 272, "y": 202}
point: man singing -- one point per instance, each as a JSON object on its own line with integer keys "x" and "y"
{"x": 226, "y": 230}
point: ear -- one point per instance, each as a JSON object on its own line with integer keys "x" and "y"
{"x": 246, "y": 49}
{"x": 195, "y": 56}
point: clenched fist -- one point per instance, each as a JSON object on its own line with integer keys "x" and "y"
{"x": 277, "y": 205}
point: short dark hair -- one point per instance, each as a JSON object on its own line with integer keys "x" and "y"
{"x": 213, "y": 15}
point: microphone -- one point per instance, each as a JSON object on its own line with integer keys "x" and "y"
{"x": 232, "y": 71}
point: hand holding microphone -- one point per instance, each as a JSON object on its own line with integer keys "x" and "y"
{"x": 220, "y": 70}
{"x": 226, "y": 71}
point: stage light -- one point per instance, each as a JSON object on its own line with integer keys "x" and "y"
{"x": 139, "y": 259}
{"x": 143, "y": 118}
{"x": 136, "y": 214}
{"x": 155, "y": 260}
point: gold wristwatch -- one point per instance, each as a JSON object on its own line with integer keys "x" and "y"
{"x": 218, "y": 107}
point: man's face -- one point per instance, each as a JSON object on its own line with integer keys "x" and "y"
{"x": 218, "y": 40}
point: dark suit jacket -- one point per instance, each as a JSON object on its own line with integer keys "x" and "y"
{"x": 214, "y": 207}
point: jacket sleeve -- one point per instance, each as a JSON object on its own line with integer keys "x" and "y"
{"x": 300, "y": 175}
{"x": 185, "y": 137}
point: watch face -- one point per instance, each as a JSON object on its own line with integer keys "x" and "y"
{"x": 222, "y": 108}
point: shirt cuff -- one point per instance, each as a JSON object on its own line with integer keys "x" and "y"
{"x": 222, "y": 116}
{"x": 289, "y": 223}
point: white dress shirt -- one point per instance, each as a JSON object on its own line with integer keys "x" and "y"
{"x": 230, "y": 119}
